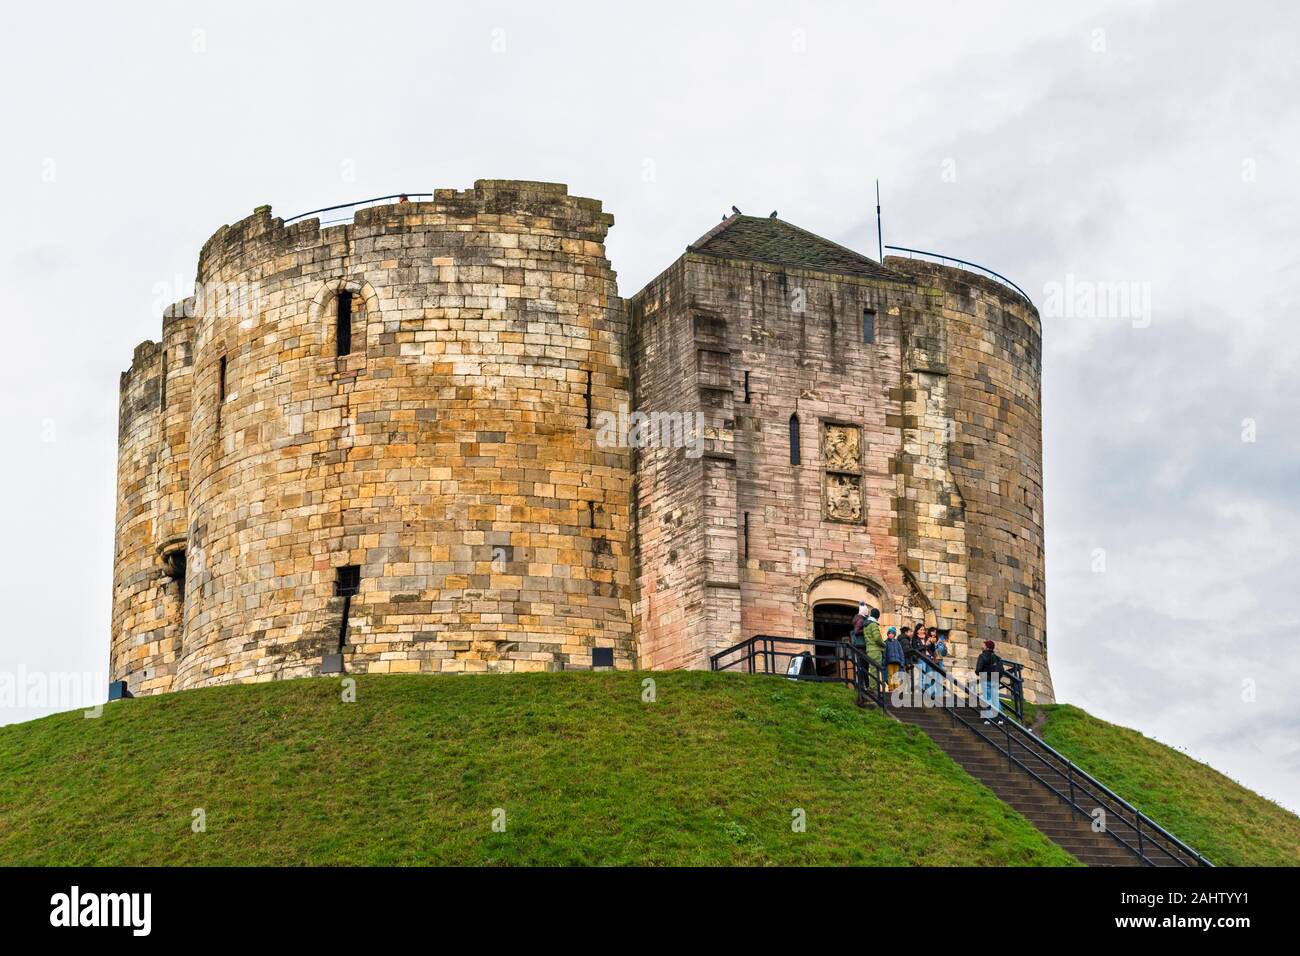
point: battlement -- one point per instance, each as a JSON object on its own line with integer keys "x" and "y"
{"x": 533, "y": 207}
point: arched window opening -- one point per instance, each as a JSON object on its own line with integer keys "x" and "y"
{"x": 221, "y": 389}
{"x": 343, "y": 328}
{"x": 794, "y": 439}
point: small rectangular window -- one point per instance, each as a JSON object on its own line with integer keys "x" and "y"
{"x": 162, "y": 388}
{"x": 868, "y": 326}
{"x": 747, "y": 396}
{"x": 344, "y": 333}
{"x": 347, "y": 580}
{"x": 221, "y": 380}
{"x": 347, "y": 583}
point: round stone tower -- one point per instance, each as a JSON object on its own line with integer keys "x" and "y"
{"x": 983, "y": 374}
{"x": 388, "y": 460}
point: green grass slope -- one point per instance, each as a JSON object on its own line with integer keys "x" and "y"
{"x": 1230, "y": 825}
{"x": 712, "y": 772}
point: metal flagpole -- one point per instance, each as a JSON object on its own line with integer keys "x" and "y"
{"x": 880, "y": 234}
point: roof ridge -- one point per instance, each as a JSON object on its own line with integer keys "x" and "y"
{"x": 770, "y": 239}
{"x": 852, "y": 252}
{"x": 721, "y": 227}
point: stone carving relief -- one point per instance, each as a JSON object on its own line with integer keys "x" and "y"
{"x": 842, "y": 476}
{"x": 844, "y": 497}
{"x": 843, "y": 448}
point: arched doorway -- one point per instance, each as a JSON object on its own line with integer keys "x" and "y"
{"x": 832, "y": 621}
{"x": 833, "y": 600}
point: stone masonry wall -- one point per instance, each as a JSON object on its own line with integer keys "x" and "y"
{"x": 139, "y": 647}
{"x": 949, "y": 527}
{"x": 670, "y": 614}
{"x": 993, "y": 360}
{"x": 760, "y": 343}
{"x": 448, "y": 456}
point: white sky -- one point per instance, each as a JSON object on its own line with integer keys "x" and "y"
{"x": 1160, "y": 150}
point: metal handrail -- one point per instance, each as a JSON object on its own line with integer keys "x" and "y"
{"x": 867, "y": 679}
{"x": 1072, "y": 771}
{"x": 970, "y": 265}
{"x": 1013, "y": 682}
{"x": 360, "y": 202}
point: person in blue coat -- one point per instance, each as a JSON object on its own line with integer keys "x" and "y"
{"x": 894, "y": 657}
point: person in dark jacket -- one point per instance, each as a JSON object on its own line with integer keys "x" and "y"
{"x": 941, "y": 647}
{"x": 928, "y": 663}
{"x": 894, "y": 659}
{"x": 989, "y": 670}
{"x": 858, "y": 626}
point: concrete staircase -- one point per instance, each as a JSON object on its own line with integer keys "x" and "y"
{"x": 1034, "y": 799}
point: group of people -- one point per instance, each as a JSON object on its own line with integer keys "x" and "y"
{"x": 920, "y": 649}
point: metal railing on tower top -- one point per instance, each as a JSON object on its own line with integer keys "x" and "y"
{"x": 941, "y": 259}
{"x": 354, "y": 206}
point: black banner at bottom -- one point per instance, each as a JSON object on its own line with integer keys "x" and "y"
{"x": 368, "y": 904}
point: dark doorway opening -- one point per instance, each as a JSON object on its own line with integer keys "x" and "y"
{"x": 831, "y": 622}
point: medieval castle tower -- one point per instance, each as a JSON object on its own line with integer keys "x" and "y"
{"x": 384, "y": 446}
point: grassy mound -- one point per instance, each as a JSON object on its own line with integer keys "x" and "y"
{"x": 417, "y": 770}
{"x": 1230, "y": 825}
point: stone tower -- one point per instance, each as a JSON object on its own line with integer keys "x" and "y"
{"x": 439, "y": 463}
{"x": 372, "y": 447}
{"x": 873, "y": 434}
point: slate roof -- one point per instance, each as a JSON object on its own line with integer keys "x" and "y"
{"x": 775, "y": 240}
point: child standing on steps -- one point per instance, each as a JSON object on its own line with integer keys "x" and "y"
{"x": 894, "y": 658}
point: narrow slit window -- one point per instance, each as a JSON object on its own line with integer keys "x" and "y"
{"x": 343, "y": 331}
{"x": 588, "y": 399}
{"x": 221, "y": 395}
{"x": 162, "y": 388}
{"x": 868, "y": 326}
{"x": 746, "y": 387}
{"x": 794, "y": 439}
{"x": 176, "y": 568}
{"x": 347, "y": 583}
